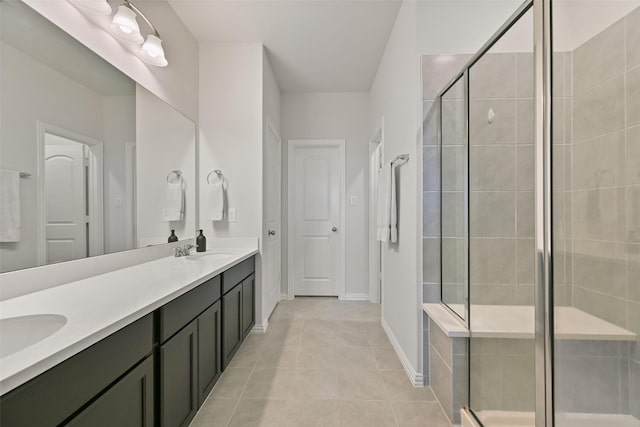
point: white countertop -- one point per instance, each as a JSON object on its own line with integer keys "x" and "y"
{"x": 100, "y": 305}
{"x": 516, "y": 321}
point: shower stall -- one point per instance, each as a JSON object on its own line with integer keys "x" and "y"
{"x": 539, "y": 199}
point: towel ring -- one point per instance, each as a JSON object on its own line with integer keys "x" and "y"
{"x": 177, "y": 173}
{"x": 217, "y": 172}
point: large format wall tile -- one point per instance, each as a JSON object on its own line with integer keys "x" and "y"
{"x": 492, "y": 214}
{"x": 503, "y": 128}
{"x": 600, "y": 58}
{"x": 599, "y": 110}
{"x": 492, "y": 168}
{"x": 633, "y": 97}
{"x": 633, "y": 38}
{"x": 493, "y": 260}
{"x": 599, "y": 162}
{"x": 633, "y": 155}
{"x": 493, "y": 76}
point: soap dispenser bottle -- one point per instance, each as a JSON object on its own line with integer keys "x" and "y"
{"x": 201, "y": 243}
{"x": 172, "y": 237}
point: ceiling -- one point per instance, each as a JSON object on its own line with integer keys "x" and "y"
{"x": 313, "y": 45}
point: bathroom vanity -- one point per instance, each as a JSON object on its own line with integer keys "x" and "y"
{"x": 140, "y": 346}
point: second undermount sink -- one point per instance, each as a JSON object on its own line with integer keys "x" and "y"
{"x": 17, "y": 333}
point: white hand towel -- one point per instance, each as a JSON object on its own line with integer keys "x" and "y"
{"x": 393, "y": 215}
{"x": 9, "y": 206}
{"x": 174, "y": 202}
{"x": 216, "y": 199}
{"x": 383, "y": 203}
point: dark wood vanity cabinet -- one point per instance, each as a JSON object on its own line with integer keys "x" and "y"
{"x": 156, "y": 371}
{"x": 179, "y": 377}
{"x": 128, "y": 403}
{"x": 248, "y": 304}
{"x": 85, "y": 386}
{"x": 232, "y": 321}
{"x": 238, "y": 307}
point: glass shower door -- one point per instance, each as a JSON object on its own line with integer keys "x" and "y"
{"x": 596, "y": 212}
{"x": 501, "y": 229}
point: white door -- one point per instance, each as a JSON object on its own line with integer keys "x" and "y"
{"x": 273, "y": 203}
{"x": 65, "y": 201}
{"x": 316, "y": 189}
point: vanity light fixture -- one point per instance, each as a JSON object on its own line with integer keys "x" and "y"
{"x": 124, "y": 26}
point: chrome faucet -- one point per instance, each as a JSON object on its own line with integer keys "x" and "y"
{"x": 182, "y": 250}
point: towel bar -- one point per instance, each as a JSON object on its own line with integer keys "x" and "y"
{"x": 177, "y": 172}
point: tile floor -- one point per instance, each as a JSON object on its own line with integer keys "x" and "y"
{"x": 322, "y": 362}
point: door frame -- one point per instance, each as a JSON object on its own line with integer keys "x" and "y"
{"x": 292, "y": 145}
{"x": 376, "y": 266}
{"x": 96, "y": 225}
{"x": 270, "y": 128}
{"x": 130, "y": 194}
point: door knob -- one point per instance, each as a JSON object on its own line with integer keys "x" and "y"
{"x": 334, "y": 229}
{"x": 271, "y": 232}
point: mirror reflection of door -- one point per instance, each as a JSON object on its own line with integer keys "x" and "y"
{"x": 67, "y": 199}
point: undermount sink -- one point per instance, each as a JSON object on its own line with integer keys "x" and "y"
{"x": 17, "y": 333}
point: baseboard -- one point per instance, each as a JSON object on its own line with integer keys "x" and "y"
{"x": 354, "y": 297}
{"x": 260, "y": 329}
{"x": 284, "y": 296}
{"x": 417, "y": 379}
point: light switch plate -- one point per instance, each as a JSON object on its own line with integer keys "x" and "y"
{"x": 232, "y": 215}
{"x": 354, "y": 200}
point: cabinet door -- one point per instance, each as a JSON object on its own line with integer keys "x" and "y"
{"x": 248, "y": 304}
{"x": 231, "y": 324}
{"x": 209, "y": 351}
{"x": 178, "y": 377}
{"x": 128, "y": 403}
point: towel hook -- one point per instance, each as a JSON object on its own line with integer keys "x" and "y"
{"x": 217, "y": 172}
{"x": 177, "y": 173}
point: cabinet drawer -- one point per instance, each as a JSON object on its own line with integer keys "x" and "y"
{"x": 182, "y": 310}
{"x": 58, "y": 393}
{"x": 237, "y": 274}
{"x": 128, "y": 403}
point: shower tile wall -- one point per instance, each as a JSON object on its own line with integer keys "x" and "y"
{"x": 501, "y": 179}
{"x": 437, "y": 71}
{"x": 597, "y": 217}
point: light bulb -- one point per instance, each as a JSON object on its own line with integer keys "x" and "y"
{"x": 152, "y": 52}
{"x": 125, "y": 27}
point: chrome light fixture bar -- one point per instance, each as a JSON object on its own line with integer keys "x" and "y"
{"x": 124, "y": 27}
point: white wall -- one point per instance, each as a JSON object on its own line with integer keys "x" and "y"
{"x": 231, "y": 138}
{"x": 32, "y": 92}
{"x": 165, "y": 141}
{"x": 339, "y": 116}
{"x": 424, "y": 27}
{"x": 395, "y": 96}
{"x": 177, "y": 84}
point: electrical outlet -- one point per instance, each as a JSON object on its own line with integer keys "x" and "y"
{"x": 354, "y": 200}
{"x": 232, "y": 215}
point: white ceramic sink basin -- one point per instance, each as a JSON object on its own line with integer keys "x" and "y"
{"x": 17, "y": 333}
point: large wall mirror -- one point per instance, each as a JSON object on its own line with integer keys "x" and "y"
{"x": 91, "y": 162}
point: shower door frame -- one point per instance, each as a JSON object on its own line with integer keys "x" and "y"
{"x": 543, "y": 278}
